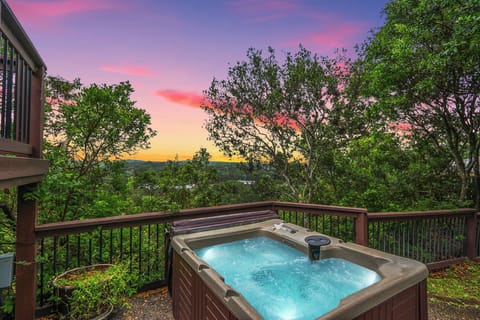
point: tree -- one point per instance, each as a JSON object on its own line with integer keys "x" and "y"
{"x": 190, "y": 183}
{"x": 383, "y": 172}
{"x": 86, "y": 128}
{"x": 288, "y": 115}
{"x": 422, "y": 67}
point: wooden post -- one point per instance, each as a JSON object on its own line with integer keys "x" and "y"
{"x": 361, "y": 229}
{"x": 471, "y": 241}
{"x": 25, "y": 256}
{"x": 36, "y": 113}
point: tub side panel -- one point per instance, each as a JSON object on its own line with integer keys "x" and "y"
{"x": 406, "y": 304}
{"x": 422, "y": 293}
{"x": 381, "y": 312}
{"x": 192, "y": 299}
{"x": 213, "y": 308}
{"x": 410, "y": 304}
{"x": 182, "y": 291}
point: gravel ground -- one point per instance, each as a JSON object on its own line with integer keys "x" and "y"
{"x": 442, "y": 309}
{"x": 157, "y": 305}
{"x": 149, "y": 305}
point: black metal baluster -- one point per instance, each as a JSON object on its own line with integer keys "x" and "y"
{"x": 121, "y": 244}
{"x": 18, "y": 97}
{"x": 444, "y": 238}
{"x": 24, "y": 103}
{"x": 67, "y": 252}
{"x": 131, "y": 250}
{"x": 453, "y": 240}
{"x": 90, "y": 249}
{"x": 148, "y": 251}
{"x": 55, "y": 239}
{"x": 110, "y": 259}
{"x": 3, "y": 125}
{"x": 331, "y": 225}
{"x": 390, "y": 235}
{"x": 42, "y": 272}
{"x": 338, "y": 226}
{"x": 431, "y": 240}
{"x": 426, "y": 236}
{"x": 413, "y": 243}
{"x": 100, "y": 240}
{"x": 323, "y": 223}
{"x": 27, "y": 105}
{"x": 78, "y": 250}
{"x": 140, "y": 250}
{"x": 8, "y": 123}
{"x": 157, "y": 258}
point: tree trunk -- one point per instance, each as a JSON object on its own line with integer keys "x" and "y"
{"x": 476, "y": 182}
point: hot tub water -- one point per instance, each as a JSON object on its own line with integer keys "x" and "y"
{"x": 281, "y": 282}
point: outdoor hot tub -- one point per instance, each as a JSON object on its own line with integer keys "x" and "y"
{"x": 360, "y": 283}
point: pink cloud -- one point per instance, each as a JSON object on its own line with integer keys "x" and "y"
{"x": 262, "y": 10}
{"x": 340, "y": 37}
{"x": 46, "y": 9}
{"x": 188, "y": 98}
{"x": 130, "y": 69}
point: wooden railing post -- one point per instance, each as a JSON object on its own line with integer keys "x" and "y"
{"x": 471, "y": 245}
{"x": 361, "y": 229}
{"x": 36, "y": 113}
{"x": 25, "y": 256}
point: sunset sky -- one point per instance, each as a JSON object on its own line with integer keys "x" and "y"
{"x": 170, "y": 50}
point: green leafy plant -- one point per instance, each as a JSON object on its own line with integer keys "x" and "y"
{"x": 8, "y": 303}
{"x": 93, "y": 290}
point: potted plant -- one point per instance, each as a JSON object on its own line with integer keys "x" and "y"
{"x": 91, "y": 292}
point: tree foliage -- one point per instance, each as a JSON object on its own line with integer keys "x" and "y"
{"x": 381, "y": 171}
{"x": 86, "y": 127}
{"x": 423, "y": 68}
{"x": 289, "y": 115}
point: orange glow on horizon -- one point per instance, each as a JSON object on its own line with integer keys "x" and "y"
{"x": 162, "y": 157}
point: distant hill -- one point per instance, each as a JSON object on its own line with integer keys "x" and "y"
{"x": 225, "y": 170}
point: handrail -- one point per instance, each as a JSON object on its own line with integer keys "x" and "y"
{"x": 376, "y": 216}
{"x": 313, "y": 208}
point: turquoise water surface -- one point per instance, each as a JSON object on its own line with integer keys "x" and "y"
{"x": 281, "y": 282}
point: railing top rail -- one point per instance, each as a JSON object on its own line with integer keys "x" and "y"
{"x": 421, "y": 214}
{"x": 316, "y": 208}
{"x": 14, "y": 31}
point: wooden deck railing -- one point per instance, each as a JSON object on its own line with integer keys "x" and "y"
{"x": 437, "y": 238}
{"x": 21, "y": 105}
{"x": 21, "y": 75}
